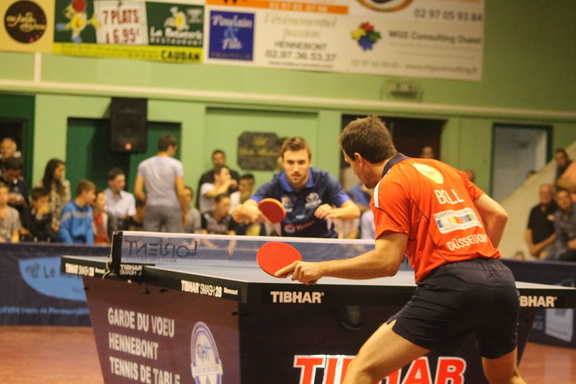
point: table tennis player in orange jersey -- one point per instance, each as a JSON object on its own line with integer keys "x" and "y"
{"x": 311, "y": 197}
{"x": 449, "y": 229}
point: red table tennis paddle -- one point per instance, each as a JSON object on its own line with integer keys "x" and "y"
{"x": 273, "y": 256}
{"x": 272, "y": 209}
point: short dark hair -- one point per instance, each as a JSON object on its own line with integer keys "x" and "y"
{"x": 221, "y": 196}
{"x": 368, "y": 137}
{"x": 218, "y": 169}
{"x": 248, "y": 176}
{"x": 13, "y": 163}
{"x": 115, "y": 172}
{"x": 38, "y": 192}
{"x": 166, "y": 141}
{"x": 85, "y": 185}
{"x": 295, "y": 144}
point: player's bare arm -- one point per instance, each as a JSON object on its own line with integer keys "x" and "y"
{"x": 383, "y": 261}
{"x": 493, "y": 216}
{"x": 247, "y": 212}
{"x": 348, "y": 211}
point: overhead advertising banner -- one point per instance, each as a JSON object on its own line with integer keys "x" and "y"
{"x": 130, "y": 29}
{"x": 412, "y": 38}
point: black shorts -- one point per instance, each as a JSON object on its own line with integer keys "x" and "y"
{"x": 476, "y": 296}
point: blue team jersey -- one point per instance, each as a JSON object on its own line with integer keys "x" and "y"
{"x": 321, "y": 188}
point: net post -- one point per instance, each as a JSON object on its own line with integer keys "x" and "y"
{"x": 116, "y": 253}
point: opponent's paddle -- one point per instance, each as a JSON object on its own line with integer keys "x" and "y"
{"x": 274, "y": 256}
{"x": 272, "y": 209}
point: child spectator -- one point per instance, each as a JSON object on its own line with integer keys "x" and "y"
{"x": 219, "y": 221}
{"x": 76, "y": 218}
{"x": 9, "y": 218}
{"x": 104, "y": 222}
{"x": 37, "y": 219}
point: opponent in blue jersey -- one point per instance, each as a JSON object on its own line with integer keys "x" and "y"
{"x": 312, "y": 197}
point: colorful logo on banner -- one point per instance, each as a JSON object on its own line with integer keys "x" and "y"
{"x": 366, "y": 36}
{"x": 71, "y": 22}
{"x": 231, "y": 36}
{"x": 206, "y": 364}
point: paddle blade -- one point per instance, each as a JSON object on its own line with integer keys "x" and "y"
{"x": 272, "y": 209}
{"x": 272, "y": 257}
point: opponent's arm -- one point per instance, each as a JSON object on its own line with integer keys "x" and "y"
{"x": 348, "y": 211}
{"x": 246, "y": 212}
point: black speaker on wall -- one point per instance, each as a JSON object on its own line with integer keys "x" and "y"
{"x": 129, "y": 118}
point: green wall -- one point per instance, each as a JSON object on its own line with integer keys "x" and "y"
{"x": 528, "y": 78}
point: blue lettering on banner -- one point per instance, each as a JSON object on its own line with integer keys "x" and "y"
{"x": 43, "y": 274}
{"x": 231, "y": 36}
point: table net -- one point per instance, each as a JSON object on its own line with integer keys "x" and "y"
{"x": 163, "y": 248}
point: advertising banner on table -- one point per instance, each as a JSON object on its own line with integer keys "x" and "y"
{"x": 35, "y": 292}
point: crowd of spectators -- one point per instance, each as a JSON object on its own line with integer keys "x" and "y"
{"x": 551, "y": 230}
{"x": 50, "y": 212}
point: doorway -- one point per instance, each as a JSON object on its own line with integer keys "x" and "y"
{"x": 517, "y": 150}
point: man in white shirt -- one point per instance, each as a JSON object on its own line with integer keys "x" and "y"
{"x": 118, "y": 201}
{"x": 163, "y": 177}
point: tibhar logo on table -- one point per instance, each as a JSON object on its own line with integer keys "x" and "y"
{"x": 538, "y": 301}
{"x": 204, "y": 289}
{"x": 206, "y": 364}
{"x": 296, "y": 297}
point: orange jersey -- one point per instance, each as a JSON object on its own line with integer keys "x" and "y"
{"x": 433, "y": 204}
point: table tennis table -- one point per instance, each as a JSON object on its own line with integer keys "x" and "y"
{"x": 225, "y": 321}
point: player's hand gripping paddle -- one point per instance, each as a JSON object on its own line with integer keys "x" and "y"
{"x": 274, "y": 256}
{"x": 272, "y": 209}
